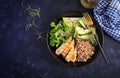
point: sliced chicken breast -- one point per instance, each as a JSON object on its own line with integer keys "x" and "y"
{"x": 63, "y": 46}
{"x": 72, "y": 54}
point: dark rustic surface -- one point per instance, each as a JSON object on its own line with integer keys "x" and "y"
{"x": 22, "y": 55}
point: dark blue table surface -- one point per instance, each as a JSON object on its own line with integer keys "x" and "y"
{"x": 22, "y": 55}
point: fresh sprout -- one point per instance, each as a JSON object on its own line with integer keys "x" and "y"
{"x": 32, "y": 12}
{"x": 31, "y": 25}
{"x": 40, "y": 36}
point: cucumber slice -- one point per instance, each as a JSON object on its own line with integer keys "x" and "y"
{"x": 82, "y": 23}
{"x": 71, "y": 21}
{"x": 83, "y": 37}
{"x": 92, "y": 39}
{"x": 82, "y": 31}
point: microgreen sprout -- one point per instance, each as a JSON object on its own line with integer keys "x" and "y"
{"x": 31, "y": 25}
{"x": 40, "y": 36}
{"x": 32, "y": 12}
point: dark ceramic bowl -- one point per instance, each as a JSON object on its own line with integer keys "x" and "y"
{"x": 97, "y": 49}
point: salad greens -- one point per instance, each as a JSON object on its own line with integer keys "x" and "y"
{"x": 70, "y": 26}
{"x": 58, "y": 33}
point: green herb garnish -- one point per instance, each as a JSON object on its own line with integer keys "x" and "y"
{"x": 32, "y": 12}
{"x": 31, "y": 25}
{"x": 40, "y": 36}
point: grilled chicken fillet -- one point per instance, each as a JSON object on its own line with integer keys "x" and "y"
{"x": 63, "y": 47}
{"x": 72, "y": 53}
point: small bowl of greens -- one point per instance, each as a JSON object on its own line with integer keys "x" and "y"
{"x": 71, "y": 42}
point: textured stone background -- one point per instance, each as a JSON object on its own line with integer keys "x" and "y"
{"x": 23, "y": 56}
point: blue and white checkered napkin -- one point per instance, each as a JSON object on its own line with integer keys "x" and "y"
{"x": 107, "y": 13}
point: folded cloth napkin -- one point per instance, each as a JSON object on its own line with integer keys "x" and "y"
{"x": 107, "y": 13}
